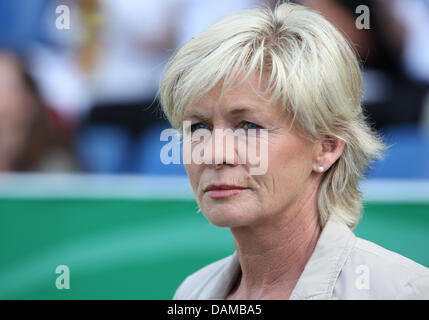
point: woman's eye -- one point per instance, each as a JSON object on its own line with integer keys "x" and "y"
{"x": 250, "y": 125}
{"x": 197, "y": 126}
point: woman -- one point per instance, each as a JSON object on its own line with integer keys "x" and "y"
{"x": 289, "y": 73}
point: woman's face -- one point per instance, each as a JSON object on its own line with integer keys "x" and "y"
{"x": 257, "y": 198}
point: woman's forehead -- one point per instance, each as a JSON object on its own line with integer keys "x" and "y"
{"x": 247, "y": 97}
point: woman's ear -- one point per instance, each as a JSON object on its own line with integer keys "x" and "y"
{"x": 328, "y": 150}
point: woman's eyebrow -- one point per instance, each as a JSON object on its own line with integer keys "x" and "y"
{"x": 196, "y": 114}
{"x": 236, "y": 110}
{"x": 242, "y": 109}
{"x": 247, "y": 109}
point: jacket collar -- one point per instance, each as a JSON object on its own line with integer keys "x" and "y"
{"x": 228, "y": 276}
{"x": 320, "y": 273}
{"x": 325, "y": 264}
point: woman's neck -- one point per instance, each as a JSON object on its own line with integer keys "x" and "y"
{"x": 273, "y": 254}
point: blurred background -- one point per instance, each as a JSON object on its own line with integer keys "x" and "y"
{"x": 81, "y": 181}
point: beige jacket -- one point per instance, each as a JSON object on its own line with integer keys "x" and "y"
{"x": 342, "y": 266}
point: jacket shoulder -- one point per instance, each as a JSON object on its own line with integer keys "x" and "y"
{"x": 373, "y": 272}
{"x": 389, "y": 259}
{"x": 193, "y": 285}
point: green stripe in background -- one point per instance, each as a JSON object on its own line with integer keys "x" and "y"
{"x": 138, "y": 238}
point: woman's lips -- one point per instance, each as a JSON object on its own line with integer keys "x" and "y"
{"x": 224, "y": 193}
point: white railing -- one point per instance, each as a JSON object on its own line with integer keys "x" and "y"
{"x": 37, "y": 185}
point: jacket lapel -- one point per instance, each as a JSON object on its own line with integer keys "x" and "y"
{"x": 324, "y": 266}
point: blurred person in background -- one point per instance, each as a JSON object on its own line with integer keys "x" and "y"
{"x": 102, "y": 73}
{"x": 41, "y": 93}
{"x": 29, "y": 29}
{"x": 126, "y": 49}
{"x": 391, "y": 50}
{"x": 30, "y": 138}
{"x": 126, "y": 45}
{"x": 196, "y": 15}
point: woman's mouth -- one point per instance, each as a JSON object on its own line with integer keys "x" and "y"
{"x": 223, "y": 191}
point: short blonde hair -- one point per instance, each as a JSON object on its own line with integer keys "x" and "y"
{"x": 312, "y": 70}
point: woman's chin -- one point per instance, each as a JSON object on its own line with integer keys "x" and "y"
{"x": 227, "y": 218}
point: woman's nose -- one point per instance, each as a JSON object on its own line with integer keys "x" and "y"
{"x": 224, "y": 148}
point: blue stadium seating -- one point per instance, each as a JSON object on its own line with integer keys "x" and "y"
{"x": 103, "y": 148}
{"x": 408, "y": 156}
{"x": 149, "y": 150}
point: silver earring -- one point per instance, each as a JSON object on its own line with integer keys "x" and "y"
{"x": 320, "y": 169}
